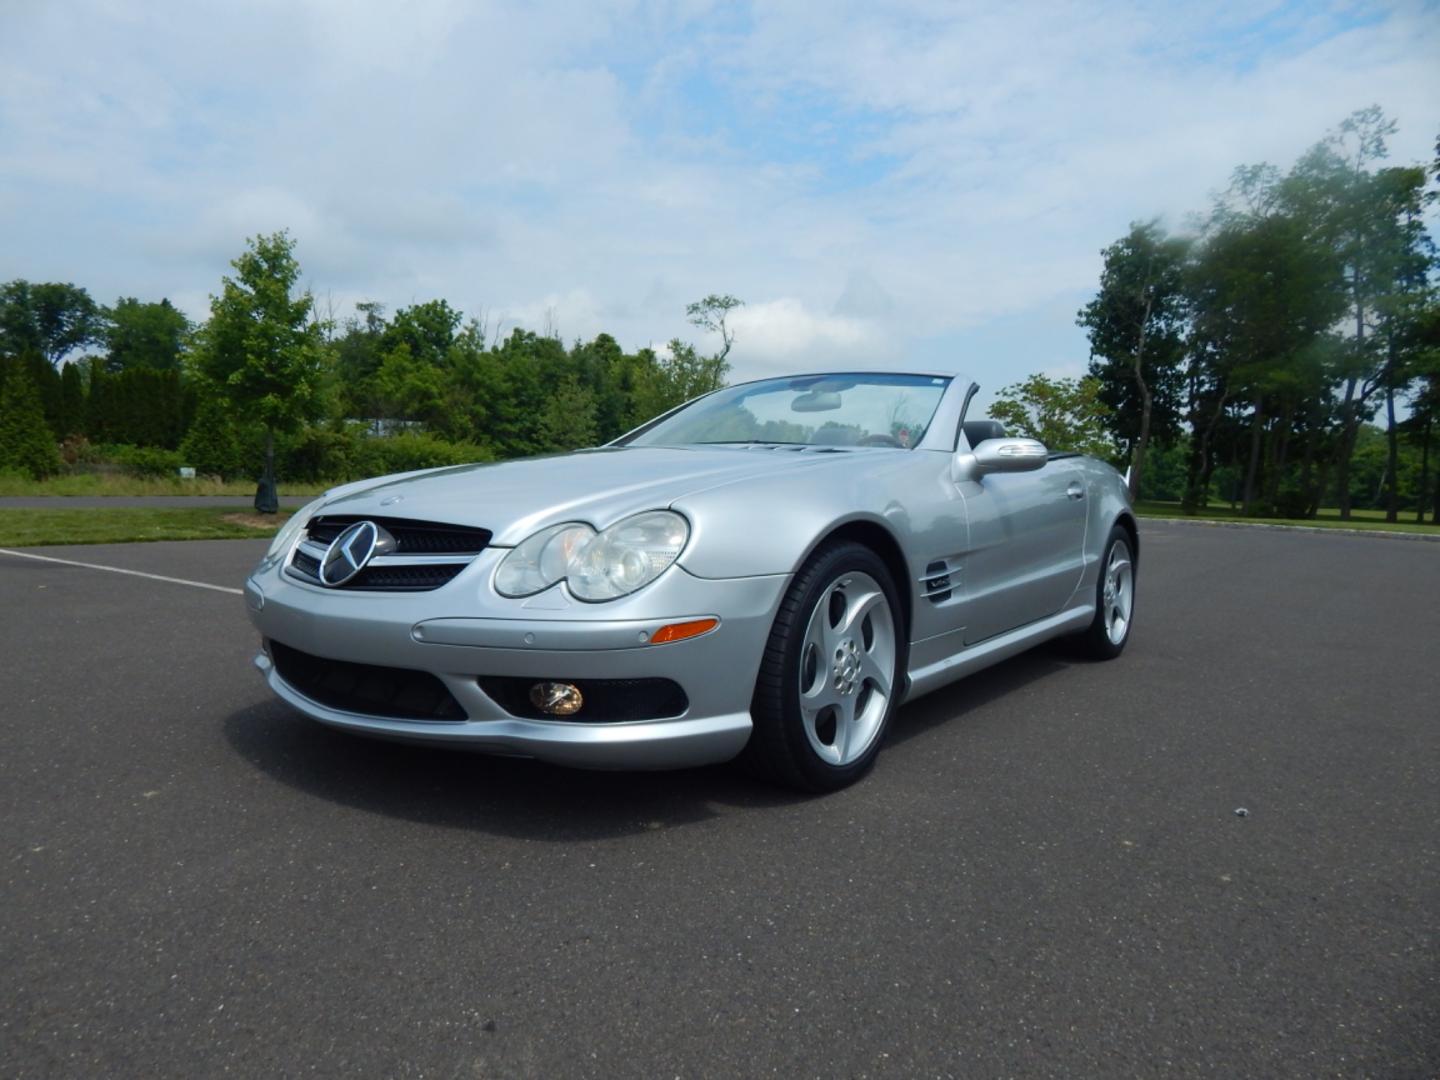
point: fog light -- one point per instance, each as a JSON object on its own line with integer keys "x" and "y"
{"x": 556, "y": 698}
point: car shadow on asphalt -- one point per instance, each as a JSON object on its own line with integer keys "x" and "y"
{"x": 528, "y": 799}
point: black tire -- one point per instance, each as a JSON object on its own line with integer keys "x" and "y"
{"x": 782, "y": 746}
{"x": 1097, "y": 642}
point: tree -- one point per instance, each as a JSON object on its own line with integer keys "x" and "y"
{"x": 261, "y": 351}
{"x": 1363, "y": 215}
{"x": 26, "y": 442}
{"x": 72, "y": 401}
{"x": 427, "y": 329}
{"x": 1263, "y": 294}
{"x": 568, "y": 422}
{"x": 144, "y": 335}
{"x": 1064, "y": 414}
{"x": 711, "y": 314}
{"x": 1136, "y": 328}
{"x": 51, "y": 319}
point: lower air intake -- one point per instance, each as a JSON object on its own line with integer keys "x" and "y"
{"x": 368, "y": 689}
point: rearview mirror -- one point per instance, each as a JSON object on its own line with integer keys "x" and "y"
{"x": 1008, "y": 455}
{"x": 816, "y": 401}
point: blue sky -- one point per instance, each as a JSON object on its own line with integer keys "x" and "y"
{"x": 918, "y": 182}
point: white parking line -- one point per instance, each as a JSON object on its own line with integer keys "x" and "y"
{"x": 118, "y": 570}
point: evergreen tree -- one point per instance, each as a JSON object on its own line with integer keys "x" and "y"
{"x": 72, "y": 401}
{"x": 26, "y": 442}
{"x": 212, "y": 447}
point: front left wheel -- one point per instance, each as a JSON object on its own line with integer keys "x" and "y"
{"x": 832, "y": 672}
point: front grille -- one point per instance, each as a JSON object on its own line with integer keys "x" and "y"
{"x": 307, "y": 564}
{"x": 393, "y": 578}
{"x": 368, "y": 689}
{"x": 411, "y": 537}
{"x": 426, "y": 555}
{"x": 605, "y": 700}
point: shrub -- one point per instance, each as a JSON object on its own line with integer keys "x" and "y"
{"x": 1293, "y": 501}
{"x": 412, "y": 450}
{"x": 319, "y": 454}
{"x": 149, "y": 461}
{"x": 211, "y": 447}
{"x": 78, "y": 450}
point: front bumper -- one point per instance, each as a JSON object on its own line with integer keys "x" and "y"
{"x": 463, "y": 631}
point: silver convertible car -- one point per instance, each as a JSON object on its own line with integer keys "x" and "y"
{"x": 766, "y": 572}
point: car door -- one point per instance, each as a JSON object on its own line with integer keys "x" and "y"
{"x": 1026, "y": 546}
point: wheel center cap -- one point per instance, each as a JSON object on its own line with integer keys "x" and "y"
{"x": 846, "y": 667}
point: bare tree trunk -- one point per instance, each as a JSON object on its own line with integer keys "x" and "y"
{"x": 1256, "y": 429}
{"x": 1137, "y": 458}
{"x": 1197, "y": 485}
{"x": 1349, "y": 428}
{"x": 1423, "y": 491}
{"x": 1392, "y": 494}
{"x": 1278, "y": 446}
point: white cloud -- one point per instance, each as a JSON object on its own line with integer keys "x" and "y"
{"x": 916, "y": 179}
{"x": 784, "y": 335}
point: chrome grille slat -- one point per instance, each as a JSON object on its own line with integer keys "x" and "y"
{"x": 421, "y": 560}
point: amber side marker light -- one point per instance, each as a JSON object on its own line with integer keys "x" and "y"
{"x": 681, "y": 630}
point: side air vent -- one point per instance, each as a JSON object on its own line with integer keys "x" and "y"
{"x": 936, "y": 582}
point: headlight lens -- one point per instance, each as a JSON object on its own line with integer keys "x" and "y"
{"x": 288, "y": 532}
{"x": 541, "y": 560}
{"x": 598, "y": 566}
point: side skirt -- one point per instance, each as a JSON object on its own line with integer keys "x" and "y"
{"x": 992, "y": 651}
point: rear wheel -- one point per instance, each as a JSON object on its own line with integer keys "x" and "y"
{"x": 1107, "y": 634}
{"x": 830, "y": 676}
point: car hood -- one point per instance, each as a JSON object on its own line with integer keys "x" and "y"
{"x": 515, "y": 498}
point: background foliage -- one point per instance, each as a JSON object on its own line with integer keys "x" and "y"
{"x": 1280, "y": 354}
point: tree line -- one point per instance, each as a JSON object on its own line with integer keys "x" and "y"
{"x": 1260, "y": 343}
{"x": 1246, "y": 357}
{"x": 267, "y": 376}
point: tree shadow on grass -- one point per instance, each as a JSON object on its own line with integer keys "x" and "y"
{"x": 531, "y": 800}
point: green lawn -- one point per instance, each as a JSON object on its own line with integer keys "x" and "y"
{"x": 119, "y": 484}
{"x": 124, "y": 524}
{"x": 1369, "y": 520}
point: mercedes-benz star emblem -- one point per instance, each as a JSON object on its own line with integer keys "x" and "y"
{"x": 351, "y": 550}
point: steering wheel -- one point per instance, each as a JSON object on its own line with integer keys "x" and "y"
{"x": 879, "y": 440}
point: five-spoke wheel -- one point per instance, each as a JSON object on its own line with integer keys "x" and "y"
{"x": 832, "y": 671}
{"x": 847, "y": 668}
{"x": 1105, "y": 637}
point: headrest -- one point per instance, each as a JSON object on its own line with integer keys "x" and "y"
{"x": 977, "y": 431}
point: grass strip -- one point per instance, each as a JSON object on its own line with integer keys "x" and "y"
{"x": 124, "y": 524}
{"x": 1363, "y": 520}
{"x": 119, "y": 484}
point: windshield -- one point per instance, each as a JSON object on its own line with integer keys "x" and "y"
{"x": 809, "y": 410}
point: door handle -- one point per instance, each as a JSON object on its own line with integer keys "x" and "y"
{"x": 1076, "y": 490}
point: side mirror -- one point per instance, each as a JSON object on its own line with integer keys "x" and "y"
{"x": 1008, "y": 455}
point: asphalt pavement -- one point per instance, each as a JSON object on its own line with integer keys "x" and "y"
{"x": 1044, "y": 876}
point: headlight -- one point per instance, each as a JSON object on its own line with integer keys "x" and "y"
{"x": 541, "y": 560}
{"x": 280, "y": 546}
{"x": 598, "y": 566}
